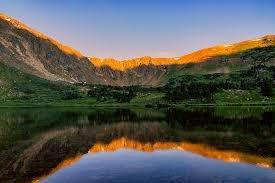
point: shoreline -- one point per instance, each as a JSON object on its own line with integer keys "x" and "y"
{"x": 129, "y": 105}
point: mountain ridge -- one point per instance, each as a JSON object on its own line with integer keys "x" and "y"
{"x": 34, "y": 53}
{"x": 20, "y": 25}
{"x": 193, "y": 57}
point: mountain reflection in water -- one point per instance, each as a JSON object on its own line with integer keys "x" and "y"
{"x": 170, "y": 149}
{"x": 42, "y": 143}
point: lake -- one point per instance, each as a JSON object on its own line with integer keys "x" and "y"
{"x": 195, "y": 144}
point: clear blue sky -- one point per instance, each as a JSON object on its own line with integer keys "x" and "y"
{"x": 132, "y": 28}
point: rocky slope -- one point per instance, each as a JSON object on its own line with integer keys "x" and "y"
{"x": 34, "y": 53}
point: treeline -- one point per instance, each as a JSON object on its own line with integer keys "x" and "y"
{"x": 186, "y": 86}
{"x": 203, "y": 86}
{"x": 117, "y": 93}
{"x": 104, "y": 93}
{"x": 182, "y": 87}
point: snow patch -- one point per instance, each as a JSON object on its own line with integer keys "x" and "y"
{"x": 227, "y": 45}
{"x": 8, "y": 19}
{"x": 256, "y": 39}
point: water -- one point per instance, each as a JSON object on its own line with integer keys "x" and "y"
{"x": 225, "y": 144}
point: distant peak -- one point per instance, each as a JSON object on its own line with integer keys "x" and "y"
{"x": 263, "y": 38}
{"x": 269, "y": 37}
{"x": 197, "y": 56}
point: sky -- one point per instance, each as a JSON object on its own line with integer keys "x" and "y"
{"x": 133, "y": 28}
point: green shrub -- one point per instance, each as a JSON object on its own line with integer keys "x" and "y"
{"x": 71, "y": 93}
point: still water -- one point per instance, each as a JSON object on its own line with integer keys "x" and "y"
{"x": 55, "y": 145}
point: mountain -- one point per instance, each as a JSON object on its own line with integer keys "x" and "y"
{"x": 34, "y": 53}
{"x": 195, "y": 57}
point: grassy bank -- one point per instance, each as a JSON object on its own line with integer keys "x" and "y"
{"x": 155, "y": 99}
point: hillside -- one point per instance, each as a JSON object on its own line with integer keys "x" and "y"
{"x": 34, "y": 53}
{"x": 19, "y": 87}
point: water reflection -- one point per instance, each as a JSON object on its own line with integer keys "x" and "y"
{"x": 201, "y": 149}
{"x": 130, "y": 150}
{"x": 42, "y": 142}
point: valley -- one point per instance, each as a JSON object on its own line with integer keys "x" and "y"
{"x": 37, "y": 70}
